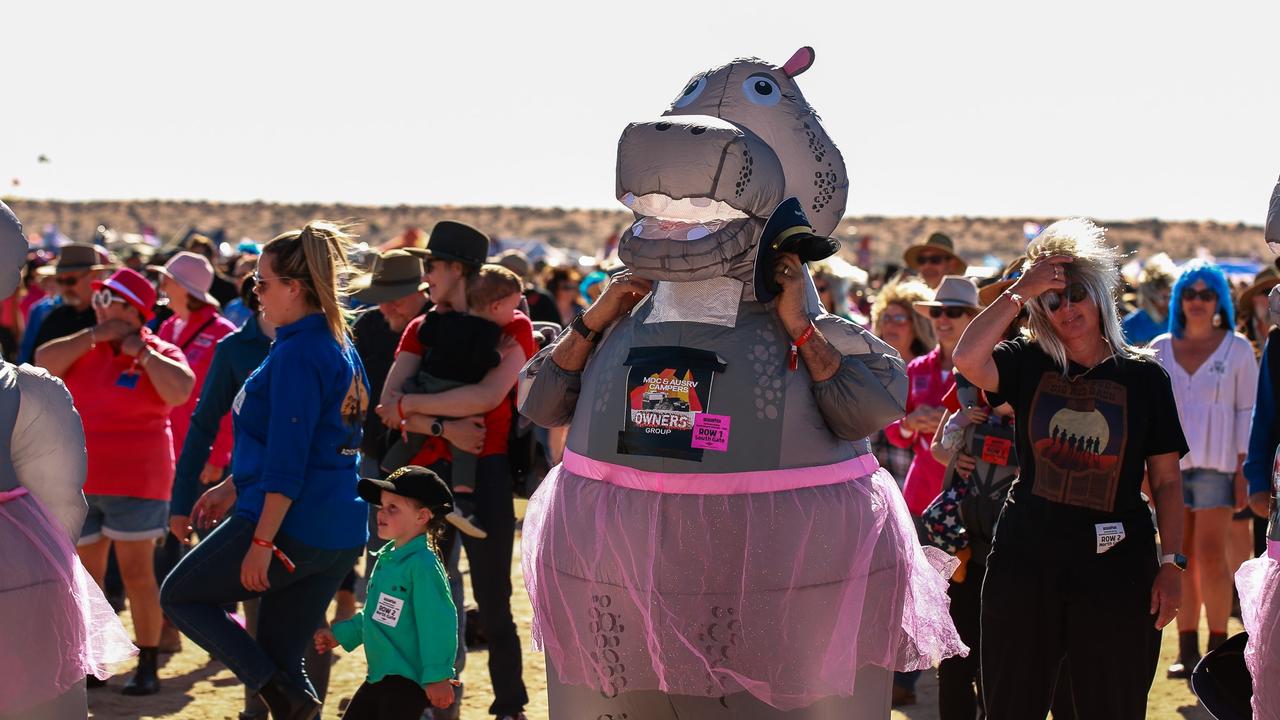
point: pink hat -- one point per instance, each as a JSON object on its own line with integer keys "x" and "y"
{"x": 193, "y": 272}
{"x": 133, "y": 287}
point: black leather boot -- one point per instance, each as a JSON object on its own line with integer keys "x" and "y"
{"x": 145, "y": 681}
{"x": 287, "y": 701}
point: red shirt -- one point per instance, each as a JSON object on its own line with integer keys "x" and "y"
{"x": 497, "y": 421}
{"x": 928, "y": 383}
{"x": 126, "y": 430}
{"x": 198, "y": 349}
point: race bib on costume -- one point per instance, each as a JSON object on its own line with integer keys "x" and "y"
{"x": 388, "y": 610}
{"x": 668, "y": 388}
{"x": 1109, "y": 535}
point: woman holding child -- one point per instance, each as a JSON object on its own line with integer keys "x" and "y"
{"x": 298, "y": 525}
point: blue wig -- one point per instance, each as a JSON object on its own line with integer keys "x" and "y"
{"x": 1215, "y": 279}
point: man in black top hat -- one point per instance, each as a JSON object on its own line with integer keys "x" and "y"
{"x": 75, "y": 270}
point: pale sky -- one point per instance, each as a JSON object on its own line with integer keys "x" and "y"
{"x": 1114, "y": 110}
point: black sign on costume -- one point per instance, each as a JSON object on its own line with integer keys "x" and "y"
{"x": 667, "y": 386}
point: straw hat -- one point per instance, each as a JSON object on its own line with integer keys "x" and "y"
{"x": 1267, "y": 278}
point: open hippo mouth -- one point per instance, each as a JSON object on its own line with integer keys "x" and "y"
{"x": 700, "y": 188}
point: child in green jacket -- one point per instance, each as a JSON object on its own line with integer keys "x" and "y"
{"x": 409, "y": 625}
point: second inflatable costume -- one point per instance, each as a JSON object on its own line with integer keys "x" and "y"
{"x": 719, "y": 541}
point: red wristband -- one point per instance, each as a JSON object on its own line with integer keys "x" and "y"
{"x": 400, "y": 408}
{"x": 284, "y": 559}
{"x": 804, "y": 336}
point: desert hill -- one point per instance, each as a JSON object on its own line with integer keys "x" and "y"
{"x": 587, "y": 230}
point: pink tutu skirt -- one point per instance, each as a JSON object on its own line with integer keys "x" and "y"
{"x": 55, "y": 623}
{"x": 780, "y": 594}
{"x": 1258, "y": 582}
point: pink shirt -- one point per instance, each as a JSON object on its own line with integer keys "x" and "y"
{"x": 126, "y": 429}
{"x": 928, "y": 384}
{"x": 197, "y": 338}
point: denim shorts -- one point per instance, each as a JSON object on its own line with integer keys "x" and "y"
{"x": 1204, "y": 489}
{"x": 124, "y": 518}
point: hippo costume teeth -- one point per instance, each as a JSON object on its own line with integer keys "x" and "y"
{"x": 703, "y": 179}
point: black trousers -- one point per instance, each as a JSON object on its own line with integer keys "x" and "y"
{"x": 490, "y": 561}
{"x": 392, "y": 698}
{"x": 1047, "y": 605}
{"x": 959, "y": 683}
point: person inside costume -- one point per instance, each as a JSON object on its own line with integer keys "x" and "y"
{"x": 1093, "y": 414}
{"x": 719, "y": 541}
{"x": 55, "y": 625}
{"x": 1215, "y": 380}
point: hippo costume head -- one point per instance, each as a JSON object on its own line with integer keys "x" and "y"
{"x": 703, "y": 179}
{"x": 13, "y": 251}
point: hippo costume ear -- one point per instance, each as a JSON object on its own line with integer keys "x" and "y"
{"x": 1272, "y": 231}
{"x": 13, "y": 251}
{"x": 802, "y": 60}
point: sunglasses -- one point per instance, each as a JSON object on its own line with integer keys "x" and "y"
{"x": 262, "y": 282}
{"x": 1206, "y": 295}
{"x": 1075, "y": 294}
{"x": 895, "y": 318}
{"x": 932, "y": 259}
{"x": 954, "y": 313}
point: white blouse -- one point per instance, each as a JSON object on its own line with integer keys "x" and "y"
{"x": 1215, "y": 404}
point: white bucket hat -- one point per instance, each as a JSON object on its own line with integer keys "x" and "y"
{"x": 193, "y": 272}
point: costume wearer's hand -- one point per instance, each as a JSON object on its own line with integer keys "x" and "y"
{"x": 624, "y": 290}
{"x": 1046, "y": 273}
{"x": 325, "y": 640}
{"x": 788, "y": 273}
{"x": 210, "y": 474}
{"x": 214, "y": 504}
{"x": 1166, "y": 594}
{"x": 1260, "y": 503}
{"x": 466, "y": 434}
{"x": 440, "y": 694}
{"x": 180, "y": 526}
{"x": 965, "y": 465}
{"x": 253, "y": 571}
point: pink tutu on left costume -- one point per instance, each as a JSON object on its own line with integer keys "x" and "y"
{"x": 56, "y": 624}
{"x": 1258, "y": 582}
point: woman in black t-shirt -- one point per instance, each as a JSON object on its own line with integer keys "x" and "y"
{"x": 1073, "y": 578}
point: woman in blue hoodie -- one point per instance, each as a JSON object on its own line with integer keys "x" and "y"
{"x": 298, "y": 525}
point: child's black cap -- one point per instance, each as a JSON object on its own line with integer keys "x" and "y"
{"x": 411, "y": 481}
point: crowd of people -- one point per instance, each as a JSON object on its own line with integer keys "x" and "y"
{"x": 264, "y": 401}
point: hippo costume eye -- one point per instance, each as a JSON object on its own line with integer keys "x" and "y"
{"x": 691, "y": 92}
{"x": 761, "y": 89}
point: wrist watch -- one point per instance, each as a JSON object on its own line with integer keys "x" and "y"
{"x": 1177, "y": 559}
{"x": 580, "y": 326}
{"x": 437, "y": 427}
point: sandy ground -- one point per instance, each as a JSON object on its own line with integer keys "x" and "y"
{"x": 198, "y": 688}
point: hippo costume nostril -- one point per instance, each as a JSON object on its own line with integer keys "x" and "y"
{"x": 717, "y": 500}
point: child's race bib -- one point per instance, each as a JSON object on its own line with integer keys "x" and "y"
{"x": 388, "y": 610}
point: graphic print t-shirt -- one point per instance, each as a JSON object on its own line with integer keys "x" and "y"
{"x": 1084, "y": 441}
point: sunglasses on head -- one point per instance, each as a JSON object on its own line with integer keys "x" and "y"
{"x": 1075, "y": 293}
{"x": 1206, "y": 295}
{"x": 932, "y": 259}
{"x": 952, "y": 312}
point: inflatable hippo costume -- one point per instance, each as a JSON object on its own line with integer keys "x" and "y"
{"x": 1258, "y": 580}
{"x": 719, "y": 541}
{"x": 55, "y": 625}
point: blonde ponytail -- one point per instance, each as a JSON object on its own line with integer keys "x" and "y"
{"x": 316, "y": 256}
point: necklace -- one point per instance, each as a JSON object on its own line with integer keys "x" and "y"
{"x": 1091, "y": 368}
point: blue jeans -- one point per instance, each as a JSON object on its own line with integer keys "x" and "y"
{"x": 288, "y": 613}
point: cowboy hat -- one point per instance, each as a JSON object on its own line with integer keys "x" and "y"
{"x": 396, "y": 274}
{"x": 937, "y": 241}
{"x": 953, "y": 291}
